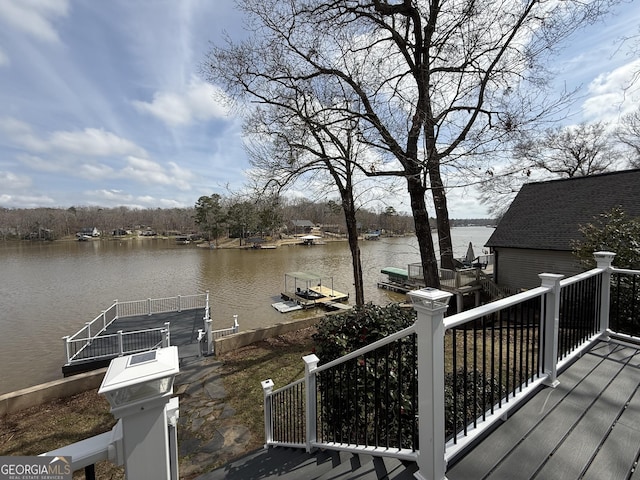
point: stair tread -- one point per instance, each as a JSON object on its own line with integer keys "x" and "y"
{"x": 282, "y": 463}
{"x": 372, "y": 468}
{"x": 354, "y": 464}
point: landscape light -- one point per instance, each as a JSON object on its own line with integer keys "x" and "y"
{"x": 429, "y": 297}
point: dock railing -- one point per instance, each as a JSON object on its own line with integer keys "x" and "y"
{"x": 471, "y": 369}
{"x": 76, "y": 345}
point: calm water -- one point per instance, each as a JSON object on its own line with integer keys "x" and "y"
{"x": 49, "y": 290}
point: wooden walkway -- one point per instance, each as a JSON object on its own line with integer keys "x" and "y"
{"x": 588, "y": 427}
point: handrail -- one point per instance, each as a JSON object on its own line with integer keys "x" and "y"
{"x": 544, "y": 328}
{"x": 495, "y": 306}
{"x": 114, "y": 343}
{"x": 368, "y": 348}
{"x": 565, "y": 282}
{"x": 92, "y": 330}
{"x": 627, "y": 271}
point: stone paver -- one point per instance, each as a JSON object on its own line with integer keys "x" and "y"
{"x": 207, "y": 434}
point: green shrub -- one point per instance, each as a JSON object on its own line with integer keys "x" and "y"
{"x": 343, "y": 333}
{"x": 372, "y": 399}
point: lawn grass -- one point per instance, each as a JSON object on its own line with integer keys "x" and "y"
{"x": 278, "y": 358}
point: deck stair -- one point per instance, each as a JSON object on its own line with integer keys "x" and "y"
{"x": 489, "y": 286}
{"x": 294, "y": 464}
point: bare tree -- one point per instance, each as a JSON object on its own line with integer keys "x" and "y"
{"x": 560, "y": 152}
{"x": 573, "y": 151}
{"x": 306, "y": 139}
{"x": 435, "y": 82}
{"x": 628, "y": 134}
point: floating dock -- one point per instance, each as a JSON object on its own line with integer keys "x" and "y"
{"x": 286, "y": 307}
{"x": 308, "y": 290}
{"x": 323, "y": 296}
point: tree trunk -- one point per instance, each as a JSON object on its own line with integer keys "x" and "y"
{"x": 442, "y": 218}
{"x": 352, "y": 235}
{"x": 423, "y": 231}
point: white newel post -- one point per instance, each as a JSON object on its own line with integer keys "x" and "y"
{"x": 208, "y": 325}
{"x": 139, "y": 388}
{"x": 67, "y": 348}
{"x": 430, "y": 305}
{"x": 267, "y": 388}
{"x": 166, "y": 341}
{"x": 208, "y": 330}
{"x": 120, "y": 342}
{"x": 604, "y": 260}
{"x": 310, "y": 364}
{"x": 551, "y": 326}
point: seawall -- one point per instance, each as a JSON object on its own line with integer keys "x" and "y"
{"x": 66, "y": 387}
{"x": 46, "y": 392}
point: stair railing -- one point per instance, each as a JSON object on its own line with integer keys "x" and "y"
{"x": 511, "y": 347}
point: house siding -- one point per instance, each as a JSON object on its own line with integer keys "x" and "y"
{"x": 519, "y": 268}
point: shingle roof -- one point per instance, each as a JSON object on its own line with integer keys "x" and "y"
{"x": 302, "y": 223}
{"x": 547, "y": 215}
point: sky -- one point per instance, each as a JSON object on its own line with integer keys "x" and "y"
{"x": 103, "y": 103}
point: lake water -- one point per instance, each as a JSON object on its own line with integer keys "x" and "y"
{"x": 49, "y": 290}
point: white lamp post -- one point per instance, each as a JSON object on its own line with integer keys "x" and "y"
{"x": 138, "y": 388}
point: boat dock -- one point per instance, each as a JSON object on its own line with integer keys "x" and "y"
{"x": 463, "y": 281}
{"x": 143, "y": 325}
{"x": 324, "y": 296}
{"x": 308, "y": 290}
{"x": 131, "y": 334}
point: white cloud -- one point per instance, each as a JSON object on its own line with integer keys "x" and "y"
{"x": 26, "y": 201}
{"x": 91, "y": 142}
{"x": 20, "y": 133}
{"x": 613, "y": 94}
{"x": 4, "y": 59}
{"x": 147, "y": 171}
{"x": 34, "y": 162}
{"x": 34, "y": 17}
{"x": 13, "y": 181}
{"x": 199, "y": 102}
{"x": 113, "y": 198}
{"x": 181, "y": 176}
{"x": 95, "y": 171}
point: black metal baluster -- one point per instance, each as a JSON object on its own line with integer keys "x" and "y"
{"x": 454, "y": 387}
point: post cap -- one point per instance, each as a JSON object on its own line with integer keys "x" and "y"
{"x": 430, "y": 297}
{"x": 140, "y": 377}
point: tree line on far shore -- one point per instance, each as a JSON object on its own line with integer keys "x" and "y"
{"x": 237, "y": 218}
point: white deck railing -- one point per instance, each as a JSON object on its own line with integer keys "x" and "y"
{"x": 91, "y": 335}
{"x": 551, "y": 325}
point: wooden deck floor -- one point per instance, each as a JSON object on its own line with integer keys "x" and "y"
{"x": 586, "y": 428}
